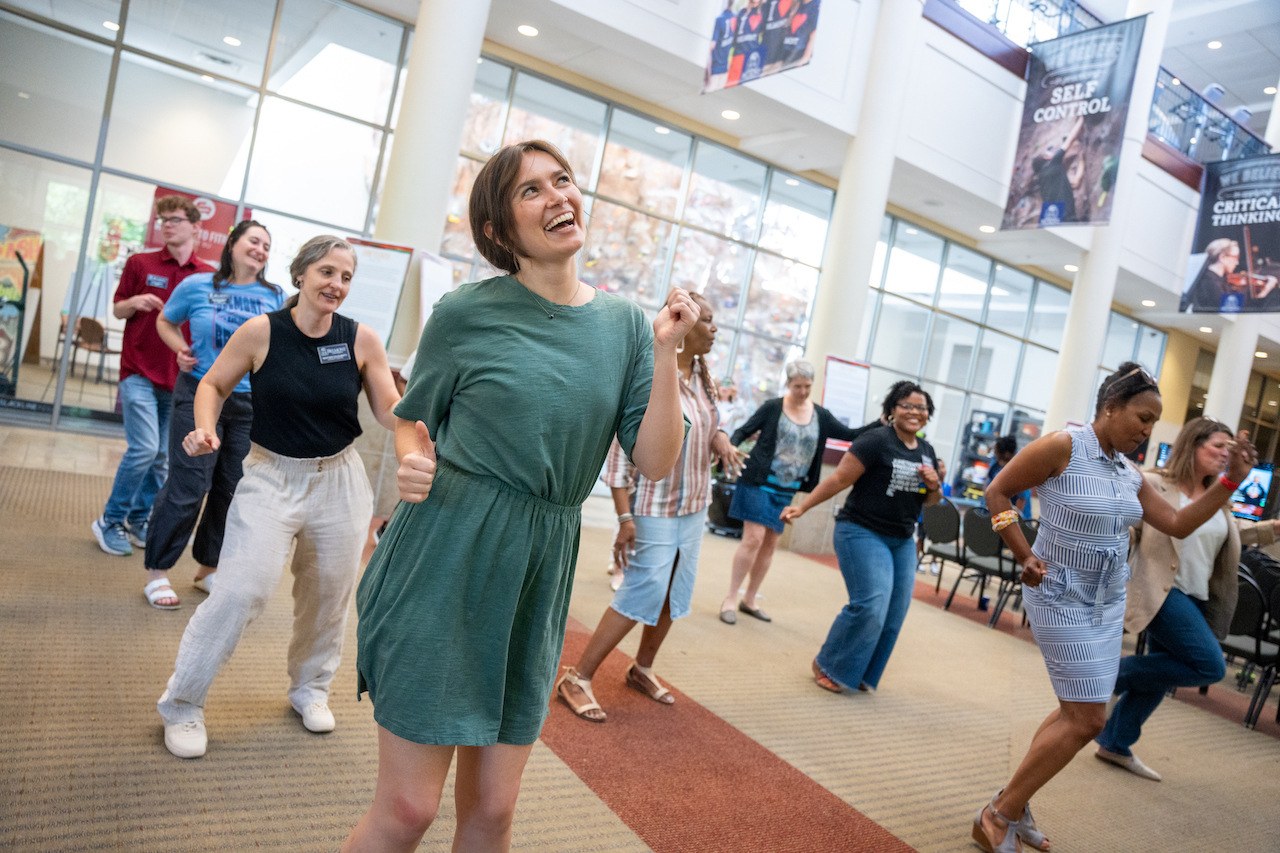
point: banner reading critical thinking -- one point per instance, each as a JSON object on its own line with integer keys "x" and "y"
{"x": 1235, "y": 258}
{"x": 755, "y": 38}
{"x": 1078, "y": 89}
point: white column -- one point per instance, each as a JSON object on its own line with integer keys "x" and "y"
{"x": 438, "y": 80}
{"x": 1095, "y": 284}
{"x": 864, "y": 188}
{"x": 1272, "y": 136}
{"x": 1231, "y": 367}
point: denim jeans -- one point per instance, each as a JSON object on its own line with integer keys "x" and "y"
{"x": 1181, "y": 652}
{"x": 146, "y": 460}
{"x": 880, "y": 574}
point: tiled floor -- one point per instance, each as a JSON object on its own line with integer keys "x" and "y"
{"x": 22, "y": 447}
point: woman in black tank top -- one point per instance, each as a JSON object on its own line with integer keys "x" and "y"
{"x": 303, "y": 483}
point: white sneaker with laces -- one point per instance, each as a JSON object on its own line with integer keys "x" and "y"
{"x": 186, "y": 740}
{"x": 317, "y": 717}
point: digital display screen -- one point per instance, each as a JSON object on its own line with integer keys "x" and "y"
{"x": 1162, "y": 456}
{"x": 1250, "y": 499}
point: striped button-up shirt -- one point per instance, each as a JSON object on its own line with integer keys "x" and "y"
{"x": 688, "y": 488}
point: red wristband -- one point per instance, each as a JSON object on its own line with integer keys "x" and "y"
{"x": 1222, "y": 478}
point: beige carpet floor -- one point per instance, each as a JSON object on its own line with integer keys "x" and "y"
{"x": 83, "y": 766}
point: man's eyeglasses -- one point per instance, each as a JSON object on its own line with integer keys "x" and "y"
{"x": 173, "y": 220}
{"x": 912, "y": 407}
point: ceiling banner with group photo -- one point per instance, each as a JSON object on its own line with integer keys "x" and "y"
{"x": 1078, "y": 89}
{"x": 756, "y": 38}
{"x": 1235, "y": 259}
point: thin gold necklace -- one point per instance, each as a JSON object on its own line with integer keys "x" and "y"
{"x": 538, "y": 300}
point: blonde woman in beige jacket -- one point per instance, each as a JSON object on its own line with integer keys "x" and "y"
{"x": 1182, "y": 592}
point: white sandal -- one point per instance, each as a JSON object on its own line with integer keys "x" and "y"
{"x": 205, "y": 584}
{"x": 158, "y": 589}
{"x": 583, "y": 684}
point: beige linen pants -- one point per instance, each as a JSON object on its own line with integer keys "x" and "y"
{"x": 323, "y": 504}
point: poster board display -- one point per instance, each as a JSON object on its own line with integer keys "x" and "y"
{"x": 1073, "y": 119}
{"x": 844, "y": 394}
{"x": 217, "y": 218}
{"x": 435, "y": 280}
{"x": 1235, "y": 258}
{"x": 381, "y": 269}
{"x": 752, "y": 39}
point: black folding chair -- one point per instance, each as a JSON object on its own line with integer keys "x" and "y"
{"x": 942, "y": 529}
{"x": 1246, "y": 641}
{"x": 1012, "y": 588}
{"x": 1267, "y": 679}
{"x": 986, "y": 560}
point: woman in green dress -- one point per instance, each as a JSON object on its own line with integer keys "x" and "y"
{"x": 520, "y": 384}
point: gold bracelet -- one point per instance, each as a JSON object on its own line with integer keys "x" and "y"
{"x": 1001, "y": 520}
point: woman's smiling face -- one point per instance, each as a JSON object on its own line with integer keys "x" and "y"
{"x": 548, "y": 210}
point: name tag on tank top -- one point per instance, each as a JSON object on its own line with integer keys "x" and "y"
{"x": 334, "y": 352}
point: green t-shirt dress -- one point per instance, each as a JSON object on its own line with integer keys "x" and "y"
{"x": 462, "y": 608}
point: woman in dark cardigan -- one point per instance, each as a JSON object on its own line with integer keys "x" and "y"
{"x": 787, "y": 458}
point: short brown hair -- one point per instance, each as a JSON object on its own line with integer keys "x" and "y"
{"x": 170, "y": 203}
{"x": 1181, "y": 467}
{"x": 491, "y": 203}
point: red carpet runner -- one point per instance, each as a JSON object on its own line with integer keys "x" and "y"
{"x": 685, "y": 780}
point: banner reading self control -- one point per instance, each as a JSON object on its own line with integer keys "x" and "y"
{"x": 1235, "y": 259}
{"x": 756, "y": 38}
{"x": 1078, "y": 89}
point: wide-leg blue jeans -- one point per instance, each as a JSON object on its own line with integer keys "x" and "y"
{"x": 880, "y": 575}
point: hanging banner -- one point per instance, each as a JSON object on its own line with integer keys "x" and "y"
{"x": 756, "y": 38}
{"x": 1235, "y": 260}
{"x": 217, "y": 218}
{"x": 1078, "y": 89}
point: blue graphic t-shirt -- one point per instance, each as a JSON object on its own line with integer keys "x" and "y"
{"x": 722, "y": 41}
{"x": 215, "y": 314}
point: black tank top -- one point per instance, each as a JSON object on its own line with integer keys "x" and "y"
{"x": 305, "y": 393}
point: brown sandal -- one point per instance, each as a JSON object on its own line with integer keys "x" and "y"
{"x": 823, "y": 680}
{"x": 583, "y": 684}
{"x": 649, "y": 686}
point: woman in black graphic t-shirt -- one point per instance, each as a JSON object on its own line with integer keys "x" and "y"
{"x": 893, "y": 473}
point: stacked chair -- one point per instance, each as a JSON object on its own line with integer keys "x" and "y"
{"x": 1254, "y": 636}
{"x": 982, "y": 558}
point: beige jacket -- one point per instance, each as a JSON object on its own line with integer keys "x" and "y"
{"x": 1154, "y": 558}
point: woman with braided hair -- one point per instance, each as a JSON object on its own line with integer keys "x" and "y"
{"x": 1074, "y": 578}
{"x": 660, "y": 526}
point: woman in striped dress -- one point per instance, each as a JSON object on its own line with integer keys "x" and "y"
{"x": 1074, "y": 577}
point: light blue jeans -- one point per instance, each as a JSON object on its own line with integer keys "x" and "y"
{"x": 146, "y": 461}
{"x": 880, "y": 575}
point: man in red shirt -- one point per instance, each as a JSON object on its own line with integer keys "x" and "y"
{"x": 148, "y": 369}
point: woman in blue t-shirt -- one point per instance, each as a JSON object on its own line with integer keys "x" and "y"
{"x": 215, "y": 305}
{"x": 893, "y": 474}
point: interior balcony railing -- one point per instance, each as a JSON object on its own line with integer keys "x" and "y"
{"x": 1029, "y": 21}
{"x": 1182, "y": 119}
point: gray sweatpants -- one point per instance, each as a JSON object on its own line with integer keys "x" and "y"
{"x": 324, "y": 504}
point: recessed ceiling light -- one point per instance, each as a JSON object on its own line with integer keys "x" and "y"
{"x": 526, "y": 30}
{"x": 987, "y": 229}
{"x": 23, "y": 95}
{"x": 731, "y": 115}
{"x": 111, "y": 25}
{"x": 1214, "y": 45}
{"x": 792, "y": 182}
{"x": 206, "y": 78}
{"x": 1071, "y": 268}
{"x": 1177, "y": 82}
{"x": 912, "y": 231}
{"x": 1271, "y": 403}
{"x": 1259, "y": 354}
{"x": 1148, "y": 303}
{"x": 1206, "y": 330}
{"x": 663, "y": 130}
{"x": 479, "y": 60}
{"x": 231, "y": 40}
{"x": 1270, "y": 90}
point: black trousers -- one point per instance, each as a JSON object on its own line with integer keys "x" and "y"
{"x": 191, "y": 478}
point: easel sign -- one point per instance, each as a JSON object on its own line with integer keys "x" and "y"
{"x": 844, "y": 394}
{"x": 375, "y": 289}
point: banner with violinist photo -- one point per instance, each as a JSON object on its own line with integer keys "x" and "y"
{"x": 1235, "y": 259}
{"x": 1078, "y": 89}
{"x": 756, "y": 38}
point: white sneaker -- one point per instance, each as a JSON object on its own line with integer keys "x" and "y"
{"x": 186, "y": 740}
{"x": 317, "y": 717}
{"x": 1129, "y": 762}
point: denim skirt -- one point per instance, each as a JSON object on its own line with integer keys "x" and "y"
{"x": 752, "y": 503}
{"x": 654, "y": 568}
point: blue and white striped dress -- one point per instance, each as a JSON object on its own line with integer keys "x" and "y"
{"x": 1077, "y": 612}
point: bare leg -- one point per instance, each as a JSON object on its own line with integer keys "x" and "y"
{"x": 485, "y": 790}
{"x": 407, "y": 797}
{"x": 743, "y": 559}
{"x": 1063, "y": 734}
{"x": 612, "y": 628}
{"x": 652, "y": 636}
{"x": 759, "y": 568}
